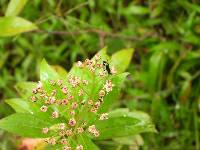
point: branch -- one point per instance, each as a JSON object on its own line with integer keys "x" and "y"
{"x": 102, "y": 34}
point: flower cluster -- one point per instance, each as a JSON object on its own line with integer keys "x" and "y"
{"x": 72, "y": 100}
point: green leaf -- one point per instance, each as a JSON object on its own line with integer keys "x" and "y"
{"x": 135, "y": 9}
{"x": 135, "y": 140}
{"x": 25, "y": 89}
{"x": 5, "y": 109}
{"x": 11, "y": 26}
{"x": 60, "y": 70}
{"x": 167, "y": 47}
{"x": 121, "y": 59}
{"x": 189, "y": 6}
{"x": 22, "y": 106}
{"x": 26, "y": 125}
{"x": 156, "y": 68}
{"x": 15, "y": 7}
{"x": 103, "y": 54}
{"x": 121, "y": 123}
{"x": 47, "y": 72}
{"x": 86, "y": 142}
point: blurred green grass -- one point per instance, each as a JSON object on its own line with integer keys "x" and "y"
{"x": 165, "y": 70}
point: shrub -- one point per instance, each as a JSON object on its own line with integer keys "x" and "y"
{"x": 72, "y": 110}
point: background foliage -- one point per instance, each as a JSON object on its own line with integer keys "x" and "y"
{"x": 165, "y": 70}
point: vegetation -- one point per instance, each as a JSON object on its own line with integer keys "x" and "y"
{"x": 164, "y": 70}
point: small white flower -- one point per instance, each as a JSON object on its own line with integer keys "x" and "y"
{"x": 74, "y": 105}
{"x": 108, "y": 86}
{"x": 102, "y": 74}
{"x": 33, "y": 98}
{"x": 52, "y": 100}
{"x": 103, "y": 116}
{"x": 79, "y": 64}
{"x": 43, "y": 108}
{"x": 55, "y": 114}
{"x": 52, "y": 141}
{"x": 62, "y": 126}
{"x": 52, "y": 82}
{"x": 96, "y": 133}
{"x": 72, "y": 112}
{"x": 64, "y": 89}
{"x": 63, "y": 141}
{"x": 97, "y": 57}
{"x": 80, "y": 130}
{"x": 69, "y": 132}
{"x": 102, "y": 93}
{"x": 79, "y": 147}
{"x": 59, "y": 82}
{"x": 65, "y": 101}
{"x": 80, "y": 92}
{"x": 34, "y": 91}
{"x": 91, "y": 128}
{"x": 90, "y": 102}
{"x": 85, "y": 82}
{"x": 72, "y": 122}
{"x": 45, "y": 130}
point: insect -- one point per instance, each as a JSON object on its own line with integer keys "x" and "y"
{"x": 106, "y": 65}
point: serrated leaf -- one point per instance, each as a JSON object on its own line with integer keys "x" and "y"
{"x": 24, "y": 124}
{"x": 15, "y": 7}
{"x": 11, "y": 26}
{"x": 121, "y": 59}
{"x": 121, "y": 123}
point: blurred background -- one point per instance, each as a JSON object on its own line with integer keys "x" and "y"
{"x": 165, "y": 68}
